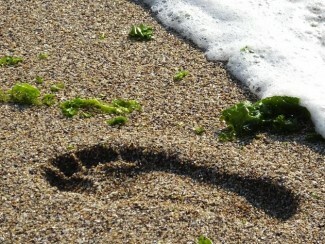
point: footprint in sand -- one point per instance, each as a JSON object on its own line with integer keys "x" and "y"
{"x": 79, "y": 171}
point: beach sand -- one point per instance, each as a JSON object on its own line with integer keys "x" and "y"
{"x": 153, "y": 180}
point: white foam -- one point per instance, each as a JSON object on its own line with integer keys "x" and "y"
{"x": 285, "y": 41}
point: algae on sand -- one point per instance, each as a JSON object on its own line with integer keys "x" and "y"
{"x": 57, "y": 87}
{"x": 24, "y": 93}
{"x": 141, "y": 32}
{"x": 199, "y": 130}
{"x": 180, "y": 75}
{"x": 9, "y": 60}
{"x": 281, "y": 114}
{"x": 49, "y": 99}
{"x": 118, "y": 120}
{"x": 72, "y": 107}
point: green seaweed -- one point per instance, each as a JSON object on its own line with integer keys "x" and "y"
{"x": 247, "y": 49}
{"x": 39, "y": 80}
{"x": 141, "y": 32}
{"x": 204, "y": 240}
{"x": 43, "y": 56}
{"x": 180, "y": 75}
{"x": 72, "y": 107}
{"x": 199, "y": 130}
{"x": 119, "y": 120}
{"x": 281, "y": 114}
{"x": 85, "y": 115}
{"x": 24, "y": 93}
{"x": 102, "y": 36}
{"x": 10, "y": 60}
{"x": 70, "y": 147}
{"x": 48, "y": 99}
{"x": 4, "y": 96}
{"x": 127, "y": 106}
{"x": 57, "y": 87}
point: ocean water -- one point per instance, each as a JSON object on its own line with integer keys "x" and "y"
{"x": 275, "y": 47}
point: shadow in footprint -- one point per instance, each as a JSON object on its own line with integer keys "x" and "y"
{"x": 98, "y": 154}
{"x": 75, "y": 184}
{"x": 65, "y": 172}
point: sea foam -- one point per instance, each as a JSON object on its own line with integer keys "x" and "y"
{"x": 276, "y": 47}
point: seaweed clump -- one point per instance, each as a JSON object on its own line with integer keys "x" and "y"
{"x": 49, "y": 99}
{"x": 180, "y": 75}
{"x": 141, "y": 32}
{"x": 87, "y": 107}
{"x": 280, "y": 114}
{"x": 118, "y": 120}
{"x": 26, "y": 94}
{"x": 9, "y": 60}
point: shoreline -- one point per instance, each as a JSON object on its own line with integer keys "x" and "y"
{"x": 125, "y": 202}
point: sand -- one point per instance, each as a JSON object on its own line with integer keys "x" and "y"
{"x": 73, "y": 180}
